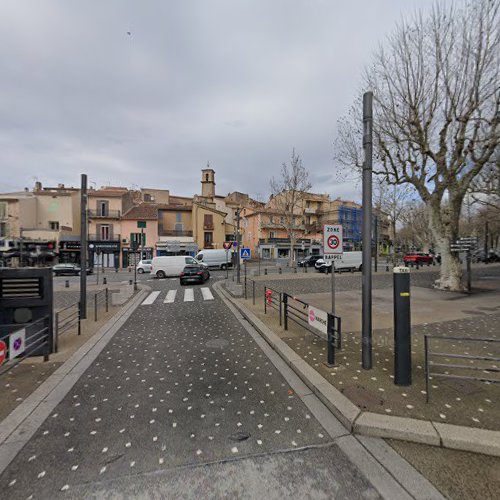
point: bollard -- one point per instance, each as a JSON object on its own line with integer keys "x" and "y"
{"x": 330, "y": 328}
{"x": 280, "y": 270}
{"x": 295, "y": 270}
{"x": 107, "y": 300}
{"x": 66, "y": 284}
{"x": 416, "y": 264}
{"x": 253, "y": 291}
{"x": 265, "y": 270}
{"x": 104, "y": 281}
{"x": 116, "y": 269}
{"x": 402, "y": 326}
{"x": 129, "y": 269}
{"x": 79, "y": 318}
{"x": 305, "y": 268}
{"x": 130, "y": 282}
{"x": 95, "y": 307}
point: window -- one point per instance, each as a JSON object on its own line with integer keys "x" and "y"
{"x": 179, "y": 228}
{"x": 104, "y": 232}
{"x": 208, "y": 221}
{"x": 272, "y": 234}
{"x": 178, "y": 216}
{"x": 3, "y": 210}
{"x": 207, "y": 177}
{"x": 54, "y": 225}
{"x": 147, "y": 197}
{"x": 3, "y": 230}
{"x": 208, "y": 238}
{"x": 135, "y": 239}
{"x": 102, "y": 208}
{"x": 190, "y": 260}
{"x": 271, "y": 219}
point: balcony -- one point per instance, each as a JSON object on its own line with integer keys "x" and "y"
{"x": 107, "y": 214}
{"x": 208, "y": 227}
{"x": 309, "y": 210}
{"x": 173, "y": 232}
{"x": 100, "y": 237}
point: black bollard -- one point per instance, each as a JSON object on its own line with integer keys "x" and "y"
{"x": 66, "y": 284}
{"x": 265, "y": 270}
{"x": 104, "y": 280}
{"x": 402, "y": 326}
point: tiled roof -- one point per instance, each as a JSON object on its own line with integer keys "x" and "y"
{"x": 172, "y": 206}
{"x": 144, "y": 211}
{"x": 106, "y": 193}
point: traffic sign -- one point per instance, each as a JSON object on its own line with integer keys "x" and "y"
{"x": 141, "y": 224}
{"x": 245, "y": 253}
{"x": 332, "y": 239}
{"x": 3, "y": 351}
{"x": 317, "y": 319}
{"x": 332, "y": 256}
{"x": 17, "y": 343}
{"x": 227, "y": 245}
{"x": 235, "y": 244}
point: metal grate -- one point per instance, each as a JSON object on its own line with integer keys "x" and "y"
{"x": 11, "y": 288}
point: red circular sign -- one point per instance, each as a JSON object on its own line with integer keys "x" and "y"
{"x": 3, "y": 351}
{"x": 312, "y": 316}
{"x": 333, "y": 242}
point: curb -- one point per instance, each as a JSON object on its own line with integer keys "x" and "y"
{"x": 449, "y": 436}
{"x": 17, "y": 428}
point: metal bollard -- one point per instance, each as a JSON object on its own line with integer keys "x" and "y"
{"x": 295, "y": 270}
{"x": 130, "y": 282}
{"x": 402, "y": 326}
{"x": 104, "y": 281}
{"x": 265, "y": 270}
{"x": 107, "y": 300}
{"x": 95, "y": 307}
{"x": 305, "y": 268}
{"x": 253, "y": 291}
{"x": 280, "y": 270}
{"x": 66, "y": 284}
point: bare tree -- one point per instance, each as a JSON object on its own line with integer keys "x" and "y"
{"x": 436, "y": 113}
{"x": 287, "y": 195}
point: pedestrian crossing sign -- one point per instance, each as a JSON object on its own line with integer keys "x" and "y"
{"x": 245, "y": 253}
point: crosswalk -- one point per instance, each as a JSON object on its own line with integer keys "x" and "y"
{"x": 188, "y": 296}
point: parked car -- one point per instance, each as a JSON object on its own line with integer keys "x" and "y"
{"x": 194, "y": 273}
{"x": 144, "y": 266}
{"x": 171, "y": 265}
{"x": 218, "y": 258}
{"x": 411, "y": 259}
{"x": 309, "y": 261}
{"x": 68, "y": 270}
{"x": 348, "y": 261}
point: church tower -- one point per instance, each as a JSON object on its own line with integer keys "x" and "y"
{"x": 208, "y": 182}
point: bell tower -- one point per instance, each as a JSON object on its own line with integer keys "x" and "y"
{"x": 208, "y": 182}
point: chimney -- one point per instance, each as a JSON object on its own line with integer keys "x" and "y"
{"x": 38, "y": 186}
{"x": 60, "y": 186}
{"x": 26, "y": 190}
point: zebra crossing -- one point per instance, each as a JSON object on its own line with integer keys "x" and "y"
{"x": 171, "y": 296}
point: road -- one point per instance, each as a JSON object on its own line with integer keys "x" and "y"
{"x": 183, "y": 402}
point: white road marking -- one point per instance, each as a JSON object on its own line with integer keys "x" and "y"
{"x": 207, "y": 294}
{"x": 170, "y": 297}
{"x": 189, "y": 295}
{"x": 150, "y": 298}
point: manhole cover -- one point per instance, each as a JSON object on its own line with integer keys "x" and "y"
{"x": 217, "y": 344}
{"x": 463, "y": 386}
{"x": 362, "y": 398}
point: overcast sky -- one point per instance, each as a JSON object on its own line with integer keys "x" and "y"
{"x": 238, "y": 83}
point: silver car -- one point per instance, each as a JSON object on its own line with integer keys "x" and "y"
{"x": 144, "y": 266}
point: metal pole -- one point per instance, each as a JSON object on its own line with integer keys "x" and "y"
{"x": 245, "y": 267}
{"x": 227, "y": 264}
{"x": 107, "y": 299}
{"x": 142, "y": 243}
{"x": 486, "y": 242}
{"x": 253, "y": 291}
{"x": 330, "y": 335}
{"x": 469, "y": 278}
{"x": 95, "y": 307}
{"x": 21, "y": 249}
{"x": 238, "y": 270}
{"x": 376, "y": 243}
{"x": 333, "y": 287}
{"x": 83, "y": 247}
{"x": 366, "y": 356}
{"x": 57, "y": 332}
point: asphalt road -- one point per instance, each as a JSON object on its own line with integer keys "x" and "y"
{"x": 182, "y": 402}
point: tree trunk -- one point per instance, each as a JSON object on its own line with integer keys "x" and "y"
{"x": 444, "y": 233}
{"x": 292, "y": 248}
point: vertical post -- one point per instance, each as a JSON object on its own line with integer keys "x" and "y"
{"x": 426, "y": 353}
{"x": 280, "y": 295}
{"x": 285, "y": 310}
{"x": 331, "y": 346}
{"x": 486, "y": 242}
{"x": 333, "y": 287}
{"x": 253, "y": 291}
{"x": 83, "y": 246}
{"x": 339, "y": 333}
{"x": 107, "y": 300}
{"x": 79, "y": 318}
{"x": 95, "y": 306}
{"x": 142, "y": 243}
{"x": 227, "y": 264}
{"x": 402, "y": 326}
{"x": 57, "y": 333}
{"x": 238, "y": 269}
{"x": 366, "y": 356}
{"x": 376, "y": 243}
{"x": 265, "y": 300}
{"x": 245, "y": 278}
{"x": 258, "y": 254}
{"x": 469, "y": 277}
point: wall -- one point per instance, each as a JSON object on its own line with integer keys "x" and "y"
{"x": 218, "y": 232}
{"x": 151, "y": 231}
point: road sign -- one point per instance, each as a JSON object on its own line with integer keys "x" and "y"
{"x": 332, "y": 256}
{"x": 227, "y": 245}
{"x": 235, "y": 244}
{"x": 245, "y": 253}
{"x": 17, "y": 343}
{"x": 332, "y": 239}
{"x": 318, "y": 319}
{"x": 141, "y": 224}
{"x": 3, "y": 351}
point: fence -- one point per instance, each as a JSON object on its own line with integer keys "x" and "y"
{"x": 31, "y": 339}
{"x": 272, "y": 298}
{"x": 429, "y": 364}
{"x": 66, "y": 319}
{"x": 101, "y": 300}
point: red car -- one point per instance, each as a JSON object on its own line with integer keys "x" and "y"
{"x": 411, "y": 259}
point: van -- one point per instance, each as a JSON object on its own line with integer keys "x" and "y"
{"x": 215, "y": 258}
{"x": 348, "y": 261}
{"x": 170, "y": 265}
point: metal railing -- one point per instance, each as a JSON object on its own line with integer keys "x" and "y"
{"x": 36, "y": 341}
{"x": 101, "y": 300}
{"x": 104, "y": 214}
{"x": 298, "y": 311}
{"x": 65, "y": 320}
{"x": 429, "y": 364}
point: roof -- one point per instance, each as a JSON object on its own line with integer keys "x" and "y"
{"x": 144, "y": 211}
{"x": 106, "y": 193}
{"x": 173, "y": 207}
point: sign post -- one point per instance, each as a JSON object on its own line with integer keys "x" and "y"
{"x": 332, "y": 249}
{"x": 227, "y": 246}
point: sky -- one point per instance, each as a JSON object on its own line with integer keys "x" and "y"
{"x": 145, "y": 93}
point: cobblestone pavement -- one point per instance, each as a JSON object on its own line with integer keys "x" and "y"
{"x": 181, "y": 384}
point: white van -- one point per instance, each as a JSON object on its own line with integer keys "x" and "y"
{"x": 349, "y": 260}
{"x": 215, "y": 258}
{"x": 170, "y": 265}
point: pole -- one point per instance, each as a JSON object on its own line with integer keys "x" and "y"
{"x": 402, "y": 326}
{"x": 21, "y": 249}
{"x": 333, "y": 287}
{"x": 83, "y": 247}
{"x": 486, "y": 242}
{"x": 245, "y": 268}
{"x": 142, "y": 243}
{"x": 366, "y": 356}
{"x": 469, "y": 278}
{"x": 227, "y": 264}
{"x": 376, "y": 243}
{"x": 238, "y": 269}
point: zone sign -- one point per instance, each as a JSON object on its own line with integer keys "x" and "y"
{"x": 332, "y": 239}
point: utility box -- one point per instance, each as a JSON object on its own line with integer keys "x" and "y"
{"x": 26, "y": 297}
